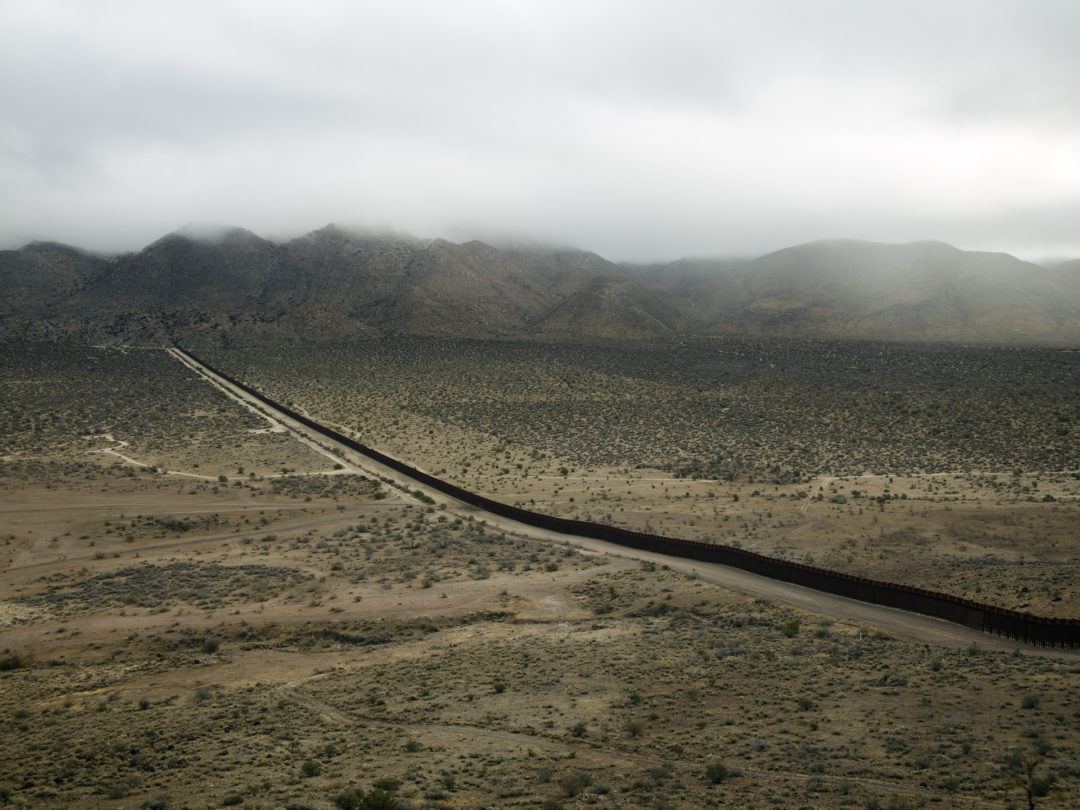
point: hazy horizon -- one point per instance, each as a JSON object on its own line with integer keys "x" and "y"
{"x": 642, "y": 132}
{"x": 213, "y": 233}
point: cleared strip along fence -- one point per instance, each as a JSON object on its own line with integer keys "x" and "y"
{"x": 1037, "y": 630}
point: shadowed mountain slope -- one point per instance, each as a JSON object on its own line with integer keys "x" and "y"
{"x": 42, "y": 274}
{"x": 221, "y": 275}
{"x": 334, "y": 284}
{"x": 330, "y": 284}
{"x": 615, "y": 309}
{"x": 919, "y": 291}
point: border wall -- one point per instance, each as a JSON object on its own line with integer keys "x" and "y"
{"x": 1026, "y": 627}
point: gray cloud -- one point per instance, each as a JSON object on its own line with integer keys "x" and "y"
{"x": 639, "y": 130}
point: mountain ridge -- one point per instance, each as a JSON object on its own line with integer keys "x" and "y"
{"x": 226, "y": 285}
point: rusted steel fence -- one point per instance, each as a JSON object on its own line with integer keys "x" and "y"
{"x": 1026, "y": 627}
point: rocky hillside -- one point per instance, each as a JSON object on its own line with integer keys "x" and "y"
{"x": 924, "y": 291}
{"x": 334, "y": 284}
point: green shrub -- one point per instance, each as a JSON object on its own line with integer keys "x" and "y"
{"x": 349, "y": 799}
{"x": 573, "y": 783}
{"x": 1040, "y": 785}
{"x": 377, "y": 799}
{"x": 716, "y": 772}
{"x": 354, "y": 799}
{"x": 122, "y": 788}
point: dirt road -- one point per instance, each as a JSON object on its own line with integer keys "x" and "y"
{"x": 890, "y": 620}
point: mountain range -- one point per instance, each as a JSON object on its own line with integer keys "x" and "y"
{"x": 335, "y": 284}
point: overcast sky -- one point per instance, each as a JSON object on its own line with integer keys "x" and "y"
{"x": 639, "y": 130}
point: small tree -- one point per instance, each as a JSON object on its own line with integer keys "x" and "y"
{"x": 1022, "y": 771}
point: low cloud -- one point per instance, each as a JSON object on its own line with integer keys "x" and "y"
{"x": 641, "y": 131}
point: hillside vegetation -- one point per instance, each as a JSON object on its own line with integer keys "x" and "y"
{"x": 240, "y": 289}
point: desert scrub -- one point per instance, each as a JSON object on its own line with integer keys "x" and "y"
{"x": 749, "y": 397}
{"x": 156, "y": 586}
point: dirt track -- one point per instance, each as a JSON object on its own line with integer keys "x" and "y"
{"x": 890, "y": 620}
